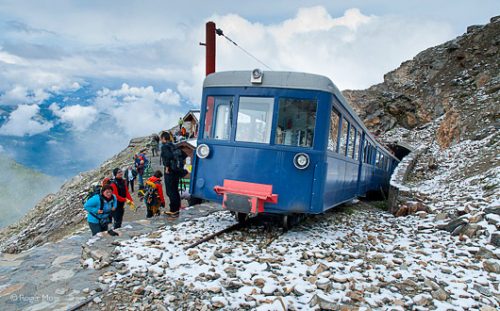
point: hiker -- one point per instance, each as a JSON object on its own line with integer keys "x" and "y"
{"x": 99, "y": 208}
{"x": 181, "y": 122}
{"x": 140, "y": 161}
{"x": 120, "y": 190}
{"x": 130, "y": 176}
{"x": 155, "y": 141}
{"x": 171, "y": 177}
{"x": 153, "y": 195}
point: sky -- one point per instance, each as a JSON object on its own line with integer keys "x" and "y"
{"x": 122, "y": 69}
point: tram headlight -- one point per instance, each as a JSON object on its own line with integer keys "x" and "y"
{"x": 256, "y": 76}
{"x": 202, "y": 151}
{"x": 301, "y": 161}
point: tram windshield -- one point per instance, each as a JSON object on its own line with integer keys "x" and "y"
{"x": 255, "y": 117}
{"x": 296, "y": 121}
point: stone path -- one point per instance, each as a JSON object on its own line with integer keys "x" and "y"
{"x": 51, "y": 277}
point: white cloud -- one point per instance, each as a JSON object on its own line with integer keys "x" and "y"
{"x": 9, "y": 58}
{"x": 140, "y": 111}
{"x": 25, "y": 120}
{"x": 79, "y": 117}
{"x": 22, "y": 95}
{"x": 354, "y": 50}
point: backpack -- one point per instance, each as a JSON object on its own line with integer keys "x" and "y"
{"x": 94, "y": 190}
{"x": 141, "y": 157}
{"x": 177, "y": 161}
{"x": 151, "y": 196}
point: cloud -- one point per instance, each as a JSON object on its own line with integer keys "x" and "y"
{"x": 354, "y": 50}
{"x": 79, "y": 117}
{"x": 25, "y": 121}
{"x": 140, "y": 111}
{"x": 8, "y": 58}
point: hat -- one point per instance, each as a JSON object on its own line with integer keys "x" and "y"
{"x": 115, "y": 171}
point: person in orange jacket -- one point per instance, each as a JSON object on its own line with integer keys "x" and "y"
{"x": 122, "y": 195}
{"x": 154, "y": 197}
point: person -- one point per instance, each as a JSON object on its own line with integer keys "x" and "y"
{"x": 155, "y": 141}
{"x": 99, "y": 208}
{"x": 130, "y": 176}
{"x": 154, "y": 198}
{"x": 171, "y": 178}
{"x": 183, "y": 132}
{"x": 181, "y": 122}
{"x": 140, "y": 165}
{"x": 122, "y": 195}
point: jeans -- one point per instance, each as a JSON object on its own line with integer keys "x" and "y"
{"x": 172, "y": 189}
{"x": 141, "y": 181}
{"x": 96, "y": 228}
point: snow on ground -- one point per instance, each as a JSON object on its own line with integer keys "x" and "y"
{"x": 462, "y": 180}
{"x": 361, "y": 258}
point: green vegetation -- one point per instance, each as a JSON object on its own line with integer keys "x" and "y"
{"x": 382, "y": 205}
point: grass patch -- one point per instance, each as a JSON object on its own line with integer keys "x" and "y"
{"x": 381, "y": 205}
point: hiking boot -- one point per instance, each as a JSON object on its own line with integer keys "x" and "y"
{"x": 172, "y": 215}
{"x": 112, "y": 233}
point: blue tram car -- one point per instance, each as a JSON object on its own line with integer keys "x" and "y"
{"x": 283, "y": 143}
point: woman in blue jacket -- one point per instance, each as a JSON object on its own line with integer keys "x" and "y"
{"x": 99, "y": 208}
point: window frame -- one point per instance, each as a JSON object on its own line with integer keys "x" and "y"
{"x": 278, "y": 100}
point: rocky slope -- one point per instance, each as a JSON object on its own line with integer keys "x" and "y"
{"x": 445, "y": 104}
{"x": 58, "y": 215}
{"x": 458, "y": 80}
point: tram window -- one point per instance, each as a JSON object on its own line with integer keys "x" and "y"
{"x": 255, "y": 116}
{"x": 222, "y": 125}
{"x": 352, "y": 142}
{"x": 209, "y": 114}
{"x": 365, "y": 151}
{"x": 334, "y": 130}
{"x": 220, "y": 109}
{"x": 296, "y": 122}
{"x": 368, "y": 152}
{"x": 343, "y": 137}
{"x": 358, "y": 146}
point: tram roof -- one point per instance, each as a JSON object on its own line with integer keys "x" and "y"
{"x": 276, "y": 79}
{"x": 288, "y": 80}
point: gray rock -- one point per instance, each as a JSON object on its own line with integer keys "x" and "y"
{"x": 322, "y": 302}
{"x": 440, "y": 295}
{"x": 491, "y": 265}
{"x": 454, "y": 224}
{"x": 484, "y": 253}
{"x": 492, "y": 210}
{"x": 495, "y": 238}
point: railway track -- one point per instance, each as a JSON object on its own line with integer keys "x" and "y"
{"x": 270, "y": 236}
{"x": 213, "y": 235}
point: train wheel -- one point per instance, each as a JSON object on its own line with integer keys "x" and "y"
{"x": 194, "y": 201}
{"x": 286, "y": 223}
{"x": 241, "y": 217}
